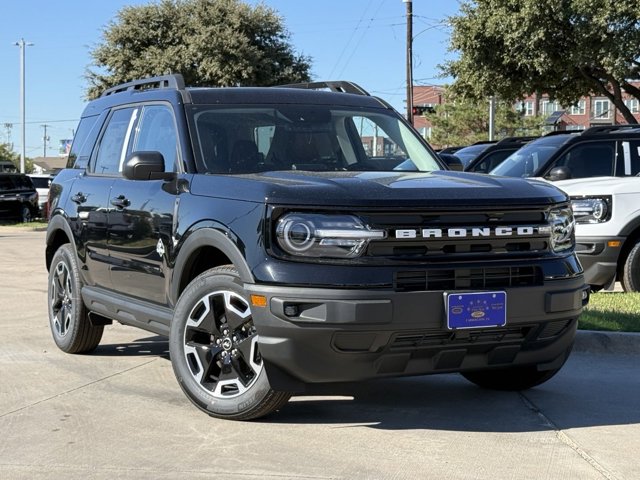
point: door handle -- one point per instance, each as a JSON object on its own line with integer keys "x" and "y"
{"x": 120, "y": 201}
{"x": 79, "y": 198}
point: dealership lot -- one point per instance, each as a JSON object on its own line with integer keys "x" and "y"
{"x": 119, "y": 413}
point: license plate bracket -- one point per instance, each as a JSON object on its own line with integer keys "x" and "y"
{"x": 476, "y": 309}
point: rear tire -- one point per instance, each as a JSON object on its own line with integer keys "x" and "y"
{"x": 214, "y": 349}
{"x": 71, "y": 328}
{"x": 631, "y": 270}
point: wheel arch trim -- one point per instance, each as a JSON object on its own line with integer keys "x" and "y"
{"x": 208, "y": 236}
{"x": 58, "y": 223}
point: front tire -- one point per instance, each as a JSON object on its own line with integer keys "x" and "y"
{"x": 631, "y": 270}
{"x": 214, "y": 349}
{"x": 71, "y": 328}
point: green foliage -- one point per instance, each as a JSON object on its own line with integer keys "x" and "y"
{"x": 568, "y": 49}
{"x": 7, "y": 154}
{"x": 211, "y": 42}
{"x": 463, "y": 121}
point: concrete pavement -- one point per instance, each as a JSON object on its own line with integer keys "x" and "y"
{"x": 119, "y": 413}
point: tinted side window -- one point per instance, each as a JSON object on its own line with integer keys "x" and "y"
{"x": 113, "y": 144}
{"x": 157, "y": 132}
{"x": 491, "y": 161}
{"x": 85, "y": 127}
{"x": 594, "y": 159}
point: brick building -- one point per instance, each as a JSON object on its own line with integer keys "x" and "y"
{"x": 589, "y": 111}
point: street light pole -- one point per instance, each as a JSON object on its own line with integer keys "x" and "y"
{"x": 409, "y": 60}
{"x": 22, "y": 44}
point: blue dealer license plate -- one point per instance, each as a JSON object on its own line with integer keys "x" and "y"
{"x": 476, "y": 310}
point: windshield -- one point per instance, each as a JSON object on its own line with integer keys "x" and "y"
{"x": 530, "y": 159}
{"x": 305, "y": 137}
{"x": 467, "y": 154}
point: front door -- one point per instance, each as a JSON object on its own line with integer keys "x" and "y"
{"x": 142, "y": 213}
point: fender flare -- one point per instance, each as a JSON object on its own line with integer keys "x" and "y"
{"x": 208, "y": 237}
{"x": 59, "y": 222}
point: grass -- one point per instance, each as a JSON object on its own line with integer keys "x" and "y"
{"x": 612, "y": 311}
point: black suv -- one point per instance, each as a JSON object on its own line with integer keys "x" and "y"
{"x": 270, "y": 234}
{"x": 18, "y": 197}
{"x": 612, "y": 150}
{"x": 495, "y": 153}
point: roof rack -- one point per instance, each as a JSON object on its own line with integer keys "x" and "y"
{"x": 165, "y": 81}
{"x": 340, "y": 86}
{"x": 484, "y": 142}
{"x": 608, "y": 128}
{"x": 522, "y": 139}
{"x": 561, "y": 132}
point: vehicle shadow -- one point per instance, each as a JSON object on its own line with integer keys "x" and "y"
{"x": 586, "y": 393}
{"x": 154, "y": 346}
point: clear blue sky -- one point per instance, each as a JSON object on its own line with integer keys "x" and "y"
{"x": 358, "y": 40}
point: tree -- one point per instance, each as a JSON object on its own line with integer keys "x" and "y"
{"x": 566, "y": 48}
{"x": 7, "y": 154}
{"x": 462, "y": 121}
{"x": 210, "y": 42}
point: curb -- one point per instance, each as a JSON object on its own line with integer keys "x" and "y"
{"x": 589, "y": 341}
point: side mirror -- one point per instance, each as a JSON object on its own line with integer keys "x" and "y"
{"x": 144, "y": 166}
{"x": 453, "y": 162}
{"x": 559, "y": 173}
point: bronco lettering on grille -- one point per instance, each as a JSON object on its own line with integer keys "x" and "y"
{"x": 467, "y": 232}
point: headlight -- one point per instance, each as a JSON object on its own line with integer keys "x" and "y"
{"x": 317, "y": 235}
{"x": 591, "y": 210}
{"x": 562, "y": 229}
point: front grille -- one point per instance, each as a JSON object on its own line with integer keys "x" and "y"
{"x": 467, "y": 278}
{"x": 463, "y": 233}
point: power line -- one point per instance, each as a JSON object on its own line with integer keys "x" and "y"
{"x": 361, "y": 38}
{"x": 346, "y": 45}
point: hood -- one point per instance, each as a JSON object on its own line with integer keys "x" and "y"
{"x": 600, "y": 185}
{"x": 387, "y": 189}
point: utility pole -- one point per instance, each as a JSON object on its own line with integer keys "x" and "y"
{"x": 45, "y": 139}
{"x": 409, "y": 60}
{"x": 22, "y": 44}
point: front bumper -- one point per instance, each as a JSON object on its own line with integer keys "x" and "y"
{"x": 599, "y": 259}
{"x": 338, "y": 335}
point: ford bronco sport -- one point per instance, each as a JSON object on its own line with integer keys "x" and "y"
{"x": 283, "y": 237}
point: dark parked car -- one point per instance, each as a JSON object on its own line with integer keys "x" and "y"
{"x": 605, "y": 151}
{"x": 18, "y": 197}
{"x": 492, "y": 156}
{"x": 470, "y": 153}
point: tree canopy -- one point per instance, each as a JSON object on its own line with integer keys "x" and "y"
{"x": 566, "y": 48}
{"x": 210, "y": 42}
{"x": 463, "y": 121}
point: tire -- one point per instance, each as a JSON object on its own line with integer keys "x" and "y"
{"x": 214, "y": 349}
{"x": 514, "y": 378}
{"x": 26, "y": 216}
{"x": 71, "y": 328}
{"x": 510, "y": 379}
{"x": 631, "y": 270}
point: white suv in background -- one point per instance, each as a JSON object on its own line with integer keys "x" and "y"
{"x": 607, "y": 213}
{"x": 42, "y": 182}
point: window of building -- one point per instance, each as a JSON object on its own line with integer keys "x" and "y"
{"x": 601, "y": 109}
{"x": 633, "y": 104}
{"x": 579, "y": 108}
{"x": 547, "y": 107}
